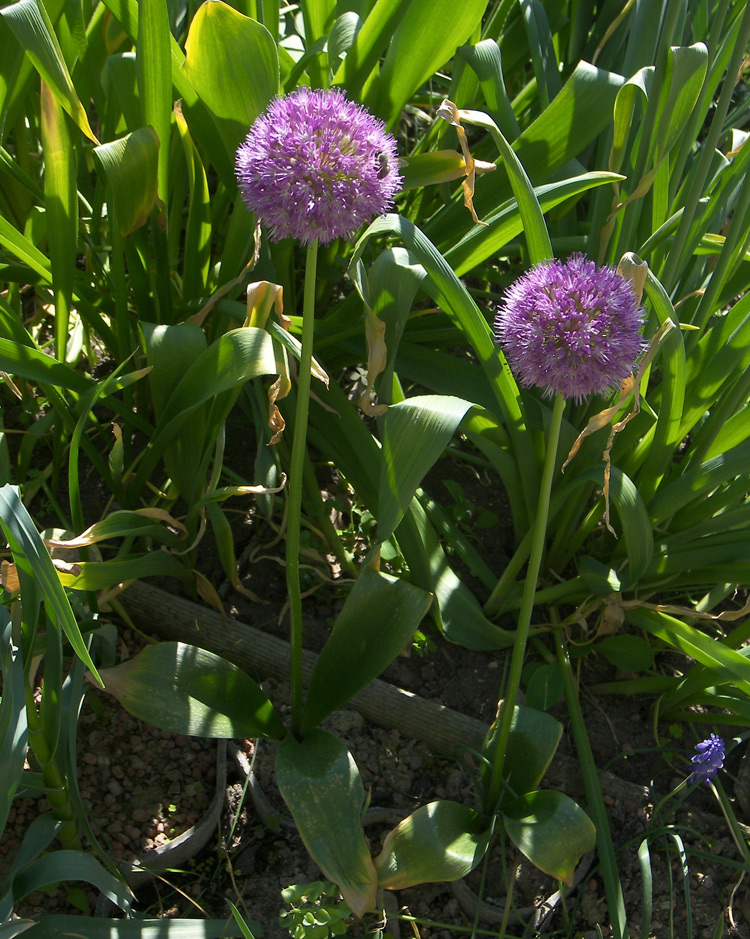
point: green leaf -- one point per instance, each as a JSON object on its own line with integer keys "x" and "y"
{"x": 187, "y": 690}
{"x": 153, "y": 63}
{"x": 24, "y": 250}
{"x": 441, "y": 841}
{"x": 234, "y": 358}
{"x": 505, "y": 223}
{"x": 379, "y": 618}
{"x": 457, "y": 611}
{"x": 636, "y": 525}
{"x": 320, "y": 783}
{"x": 686, "y": 70}
{"x": 545, "y": 687}
{"x": 727, "y": 664}
{"x": 70, "y": 865}
{"x": 417, "y": 432}
{"x": 31, "y": 26}
{"x": 61, "y": 206}
{"x": 235, "y": 79}
{"x": 456, "y": 301}
{"x": 172, "y": 350}
{"x": 13, "y": 731}
{"x": 412, "y": 59}
{"x": 30, "y": 554}
{"x": 631, "y": 653}
{"x": 27, "y": 362}
{"x": 551, "y": 831}
{"x": 533, "y": 740}
{"x": 130, "y": 166}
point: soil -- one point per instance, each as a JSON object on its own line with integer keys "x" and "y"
{"x": 143, "y": 787}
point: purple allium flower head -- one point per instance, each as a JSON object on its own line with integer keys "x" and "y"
{"x": 708, "y": 759}
{"x": 571, "y": 328}
{"x": 317, "y": 166}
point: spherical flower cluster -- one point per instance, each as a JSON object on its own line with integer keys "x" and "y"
{"x": 708, "y": 760}
{"x": 317, "y": 166}
{"x": 571, "y": 328}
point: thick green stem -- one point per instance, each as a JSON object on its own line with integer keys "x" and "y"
{"x": 595, "y": 800}
{"x": 55, "y": 783}
{"x": 296, "y": 479}
{"x": 527, "y": 604}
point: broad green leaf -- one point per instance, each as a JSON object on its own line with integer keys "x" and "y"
{"x": 234, "y": 358}
{"x": 457, "y": 302}
{"x": 671, "y": 398}
{"x": 187, "y": 690}
{"x": 379, "y": 618}
{"x": 141, "y": 523}
{"x": 130, "y": 166}
{"x": 545, "y": 687}
{"x": 410, "y": 60}
{"x": 99, "y": 575}
{"x": 13, "y": 731}
{"x": 457, "y": 611}
{"x": 236, "y": 80}
{"x": 542, "y": 50}
{"x": 61, "y": 206}
{"x": 505, "y": 223}
{"x": 631, "y": 653}
{"x": 31, "y": 25}
{"x": 70, "y": 865}
{"x": 24, "y": 250}
{"x": 728, "y": 665}
{"x": 441, "y": 841}
{"x": 686, "y": 70}
{"x": 416, "y": 433}
{"x": 635, "y": 91}
{"x": 487, "y": 61}
{"x": 153, "y": 59}
{"x": 557, "y": 136}
{"x": 551, "y": 830}
{"x": 30, "y": 553}
{"x": 535, "y": 230}
{"x": 370, "y": 42}
{"x": 197, "y": 251}
{"x": 534, "y": 736}
{"x": 27, "y": 362}
{"x": 172, "y": 350}
{"x": 320, "y": 783}
{"x": 699, "y": 481}
{"x": 636, "y": 525}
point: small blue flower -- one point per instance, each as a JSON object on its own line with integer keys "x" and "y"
{"x": 708, "y": 760}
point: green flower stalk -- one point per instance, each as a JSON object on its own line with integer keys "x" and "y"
{"x": 574, "y": 331}
{"x": 316, "y": 167}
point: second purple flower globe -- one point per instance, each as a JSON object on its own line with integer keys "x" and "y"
{"x": 317, "y": 166}
{"x": 571, "y": 328}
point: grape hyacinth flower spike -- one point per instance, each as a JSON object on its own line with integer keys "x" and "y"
{"x": 571, "y": 328}
{"x": 316, "y": 167}
{"x": 708, "y": 760}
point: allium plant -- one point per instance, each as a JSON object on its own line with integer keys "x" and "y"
{"x": 570, "y": 327}
{"x": 573, "y": 330}
{"x": 316, "y": 166}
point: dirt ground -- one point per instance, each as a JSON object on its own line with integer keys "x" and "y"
{"x": 144, "y": 787}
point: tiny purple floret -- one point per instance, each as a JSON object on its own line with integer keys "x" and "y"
{"x": 708, "y": 759}
{"x": 316, "y": 166}
{"x": 571, "y": 328}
